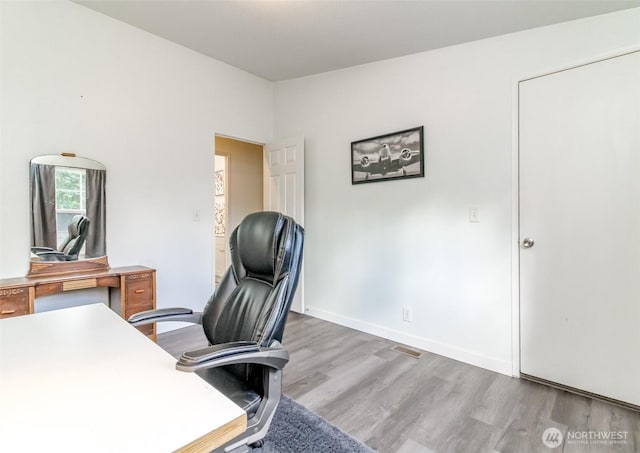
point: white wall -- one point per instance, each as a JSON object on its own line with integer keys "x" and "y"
{"x": 75, "y": 80}
{"x": 371, "y": 249}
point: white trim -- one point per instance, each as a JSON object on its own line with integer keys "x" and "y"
{"x": 231, "y": 137}
{"x": 452, "y": 352}
{"x": 515, "y": 198}
{"x": 579, "y": 63}
{"x": 515, "y": 235}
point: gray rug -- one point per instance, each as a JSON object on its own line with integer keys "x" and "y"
{"x": 295, "y": 429}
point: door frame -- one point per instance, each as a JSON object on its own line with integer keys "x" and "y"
{"x": 515, "y": 191}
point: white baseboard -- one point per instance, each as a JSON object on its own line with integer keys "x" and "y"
{"x": 470, "y": 357}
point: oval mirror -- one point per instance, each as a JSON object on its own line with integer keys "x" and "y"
{"x": 68, "y": 208}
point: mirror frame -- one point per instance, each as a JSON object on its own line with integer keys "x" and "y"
{"x": 39, "y": 267}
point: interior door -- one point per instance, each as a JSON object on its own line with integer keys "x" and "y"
{"x": 579, "y": 163}
{"x": 284, "y": 189}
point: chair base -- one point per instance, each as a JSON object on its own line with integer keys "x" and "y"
{"x": 258, "y": 425}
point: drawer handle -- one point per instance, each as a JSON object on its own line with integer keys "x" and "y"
{"x": 8, "y": 312}
{"x": 139, "y": 291}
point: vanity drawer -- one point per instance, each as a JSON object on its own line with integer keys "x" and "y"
{"x": 14, "y": 302}
{"x": 139, "y": 291}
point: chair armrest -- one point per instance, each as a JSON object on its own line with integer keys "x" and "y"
{"x": 56, "y": 256}
{"x": 37, "y": 250}
{"x": 165, "y": 314}
{"x": 217, "y": 351}
{"x": 243, "y": 352}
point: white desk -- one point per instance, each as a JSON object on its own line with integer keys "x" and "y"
{"x": 82, "y": 380}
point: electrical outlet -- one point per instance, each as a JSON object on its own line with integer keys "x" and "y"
{"x": 407, "y": 314}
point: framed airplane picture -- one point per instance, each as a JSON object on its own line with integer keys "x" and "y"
{"x": 391, "y": 156}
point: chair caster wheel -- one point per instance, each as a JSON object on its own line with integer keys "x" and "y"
{"x": 257, "y": 444}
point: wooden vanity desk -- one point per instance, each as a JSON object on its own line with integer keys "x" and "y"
{"x": 132, "y": 289}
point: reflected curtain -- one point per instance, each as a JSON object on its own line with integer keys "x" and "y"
{"x": 96, "y": 211}
{"x": 43, "y": 206}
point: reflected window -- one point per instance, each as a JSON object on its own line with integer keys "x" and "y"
{"x": 71, "y": 196}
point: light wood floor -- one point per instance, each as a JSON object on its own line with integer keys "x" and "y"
{"x": 395, "y": 403}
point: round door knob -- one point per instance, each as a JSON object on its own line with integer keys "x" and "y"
{"x": 527, "y": 243}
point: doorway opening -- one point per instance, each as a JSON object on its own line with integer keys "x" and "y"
{"x": 238, "y": 191}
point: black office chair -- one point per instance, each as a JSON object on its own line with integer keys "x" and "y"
{"x": 244, "y": 320}
{"x": 71, "y": 246}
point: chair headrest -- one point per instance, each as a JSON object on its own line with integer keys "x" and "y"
{"x": 258, "y": 240}
{"x": 75, "y": 225}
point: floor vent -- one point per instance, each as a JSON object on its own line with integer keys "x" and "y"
{"x": 410, "y": 352}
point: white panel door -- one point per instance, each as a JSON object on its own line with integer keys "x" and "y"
{"x": 284, "y": 189}
{"x": 579, "y": 163}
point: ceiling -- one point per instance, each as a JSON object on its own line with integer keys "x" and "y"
{"x": 279, "y": 40}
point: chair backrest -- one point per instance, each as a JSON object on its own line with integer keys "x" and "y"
{"x": 77, "y": 234}
{"x": 252, "y": 301}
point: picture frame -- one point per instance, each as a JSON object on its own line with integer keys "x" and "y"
{"x": 219, "y": 203}
{"x": 397, "y": 155}
{"x": 219, "y": 218}
{"x": 219, "y": 182}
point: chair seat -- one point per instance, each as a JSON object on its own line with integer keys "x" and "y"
{"x": 233, "y": 388}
